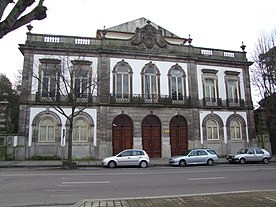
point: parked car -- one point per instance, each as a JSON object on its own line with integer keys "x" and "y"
{"x": 195, "y": 156}
{"x": 128, "y": 157}
{"x": 252, "y": 154}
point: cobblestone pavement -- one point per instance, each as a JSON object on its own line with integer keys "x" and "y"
{"x": 241, "y": 199}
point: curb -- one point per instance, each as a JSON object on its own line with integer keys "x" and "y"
{"x": 58, "y": 164}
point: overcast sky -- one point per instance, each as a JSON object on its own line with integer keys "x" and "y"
{"x": 221, "y": 24}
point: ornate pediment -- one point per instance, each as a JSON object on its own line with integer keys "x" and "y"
{"x": 149, "y": 36}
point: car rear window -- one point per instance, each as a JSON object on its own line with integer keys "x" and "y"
{"x": 259, "y": 151}
{"x": 211, "y": 152}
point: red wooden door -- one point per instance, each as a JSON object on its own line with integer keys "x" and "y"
{"x": 178, "y": 135}
{"x": 151, "y": 136}
{"x": 122, "y": 134}
{"x": 122, "y": 138}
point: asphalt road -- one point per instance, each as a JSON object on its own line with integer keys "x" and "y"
{"x": 21, "y": 186}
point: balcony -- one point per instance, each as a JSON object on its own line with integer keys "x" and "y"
{"x": 57, "y": 98}
{"x": 212, "y": 102}
{"x": 234, "y": 102}
{"x": 148, "y": 99}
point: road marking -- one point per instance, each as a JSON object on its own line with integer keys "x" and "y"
{"x": 210, "y": 178}
{"x": 86, "y": 182}
{"x": 271, "y": 199}
{"x": 59, "y": 190}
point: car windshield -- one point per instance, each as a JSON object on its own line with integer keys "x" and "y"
{"x": 186, "y": 152}
{"x": 243, "y": 151}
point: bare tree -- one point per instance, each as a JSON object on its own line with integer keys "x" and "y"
{"x": 16, "y": 17}
{"x": 64, "y": 83}
{"x": 264, "y": 68}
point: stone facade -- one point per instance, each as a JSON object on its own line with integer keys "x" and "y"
{"x": 154, "y": 91}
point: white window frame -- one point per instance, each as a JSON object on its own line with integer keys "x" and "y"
{"x": 214, "y": 128}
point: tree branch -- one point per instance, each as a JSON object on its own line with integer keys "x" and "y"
{"x": 3, "y": 6}
{"x": 12, "y": 22}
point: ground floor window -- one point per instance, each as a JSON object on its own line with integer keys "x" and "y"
{"x": 46, "y": 131}
{"x": 212, "y": 130}
{"x": 80, "y": 131}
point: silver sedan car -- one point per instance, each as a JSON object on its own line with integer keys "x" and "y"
{"x": 195, "y": 156}
{"x": 252, "y": 154}
{"x": 128, "y": 157}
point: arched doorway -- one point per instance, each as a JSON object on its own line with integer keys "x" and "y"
{"x": 178, "y": 135}
{"x": 151, "y": 136}
{"x": 122, "y": 133}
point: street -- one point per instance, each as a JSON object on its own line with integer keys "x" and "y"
{"x": 23, "y": 186}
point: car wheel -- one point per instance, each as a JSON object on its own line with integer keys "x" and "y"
{"x": 143, "y": 164}
{"x": 182, "y": 163}
{"x": 265, "y": 160}
{"x": 111, "y": 164}
{"x": 210, "y": 162}
{"x": 242, "y": 161}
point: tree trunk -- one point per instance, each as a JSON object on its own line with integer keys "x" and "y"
{"x": 70, "y": 141}
{"x": 69, "y": 164}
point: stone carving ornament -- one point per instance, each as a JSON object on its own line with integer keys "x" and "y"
{"x": 150, "y": 36}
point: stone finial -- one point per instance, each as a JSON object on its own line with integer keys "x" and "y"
{"x": 29, "y": 27}
{"x": 243, "y": 47}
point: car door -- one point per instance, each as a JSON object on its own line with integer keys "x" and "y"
{"x": 192, "y": 157}
{"x": 136, "y": 156}
{"x": 124, "y": 158}
{"x": 202, "y": 157}
{"x": 250, "y": 155}
{"x": 259, "y": 154}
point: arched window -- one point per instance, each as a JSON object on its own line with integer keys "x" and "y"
{"x": 150, "y": 81}
{"x": 177, "y": 82}
{"x": 235, "y": 130}
{"x": 212, "y": 130}
{"x": 80, "y": 130}
{"x": 46, "y": 130}
{"x": 122, "y": 80}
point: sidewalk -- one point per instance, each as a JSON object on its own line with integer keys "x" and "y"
{"x": 58, "y": 163}
{"x": 237, "y": 199}
{"x": 86, "y": 163}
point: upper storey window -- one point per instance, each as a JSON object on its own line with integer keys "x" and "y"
{"x": 122, "y": 79}
{"x": 233, "y": 88}
{"x": 150, "y": 81}
{"x": 177, "y": 82}
{"x": 210, "y": 87}
{"x": 49, "y": 70}
{"x": 81, "y": 76}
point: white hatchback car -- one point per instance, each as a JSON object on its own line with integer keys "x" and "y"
{"x": 128, "y": 157}
{"x": 252, "y": 154}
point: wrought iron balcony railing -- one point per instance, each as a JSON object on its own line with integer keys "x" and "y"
{"x": 235, "y": 102}
{"x": 212, "y": 102}
{"x": 56, "y": 97}
{"x": 148, "y": 99}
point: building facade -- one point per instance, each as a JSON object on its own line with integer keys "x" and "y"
{"x": 136, "y": 85}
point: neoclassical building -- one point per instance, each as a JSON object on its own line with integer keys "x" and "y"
{"x": 136, "y": 85}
